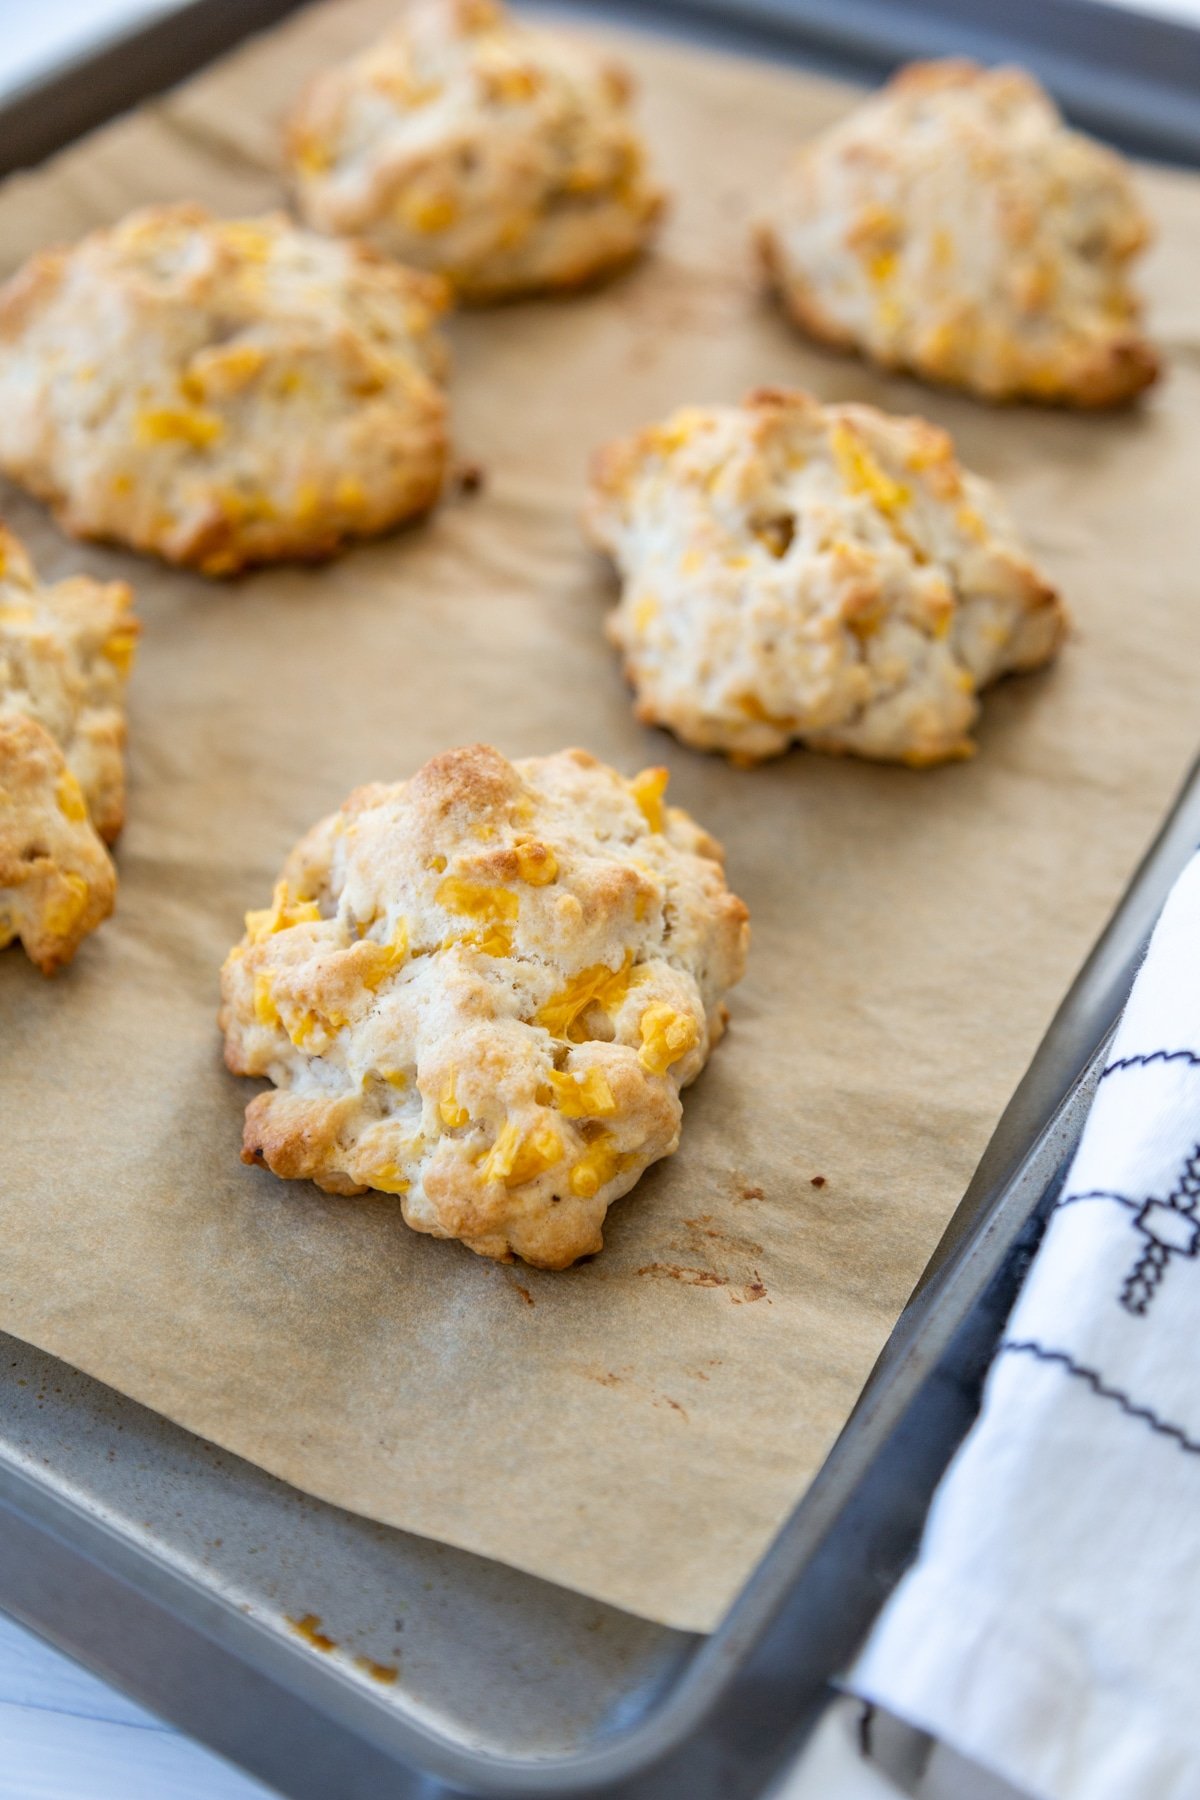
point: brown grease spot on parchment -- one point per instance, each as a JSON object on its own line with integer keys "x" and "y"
{"x": 378, "y": 1671}
{"x": 703, "y": 1227}
{"x": 717, "y": 1258}
{"x": 611, "y": 1378}
{"x": 753, "y": 1289}
{"x": 690, "y": 1277}
{"x": 308, "y": 1626}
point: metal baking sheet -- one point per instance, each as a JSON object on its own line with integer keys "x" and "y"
{"x": 334, "y": 1657}
{"x": 1128, "y": 75}
{"x": 200, "y": 1585}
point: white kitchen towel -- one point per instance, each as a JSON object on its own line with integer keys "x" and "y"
{"x": 1050, "y": 1628}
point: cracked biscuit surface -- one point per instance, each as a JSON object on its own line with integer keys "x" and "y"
{"x": 954, "y": 226}
{"x": 66, "y": 649}
{"x": 501, "y": 156}
{"x": 222, "y": 392}
{"x": 482, "y": 990}
{"x": 821, "y": 574}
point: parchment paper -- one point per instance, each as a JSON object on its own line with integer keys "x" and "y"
{"x": 639, "y": 1427}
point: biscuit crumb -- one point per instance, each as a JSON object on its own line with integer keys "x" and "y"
{"x": 470, "y": 477}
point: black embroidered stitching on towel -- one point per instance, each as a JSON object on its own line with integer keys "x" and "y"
{"x": 1147, "y": 1415}
{"x": 1153, "y": 1056}
{"x": 1170, "y": 1227}
{"x": 1095, "y": 1194}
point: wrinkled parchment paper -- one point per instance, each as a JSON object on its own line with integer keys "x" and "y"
{"x": 637, "y": 1428}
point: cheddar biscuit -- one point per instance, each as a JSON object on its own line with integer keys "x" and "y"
{"x": 954, "y": 226}
{"x": 57, "y": 880}
{"x": 501, "y": 156}
{"x": 222, "y": 392}
{"x": 66, "y": 650}
{"x": 482, "y": 990}
{"x": 65, "y": 655}
{"x": 828, "y": 575}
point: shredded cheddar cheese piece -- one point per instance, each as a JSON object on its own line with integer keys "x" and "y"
{"x": 281, "y": 915}
{"x": 247, "y": 239}
{"x": 450, "y": 1112}
{"x": 306, "y": 507}
{"x": 388, "y": 1179}
{"x": 303, "y": 1027}
{"x": 648, "y": 789}
{"x": 645, "y": 610}
{"x": 518, "y": 1156}
{"x": 265, "y": 1010}
{"x": 941, "y": 249}
{"x": 862, "y": 474}
{"x": 585, "y": 1096}
{"x": 349, "y": 494}
{"x": 536, "y": 863}
{"x": 227, "y": 367}
{"x": 119, "y": 648}
{"x": 968, "y": 520}
{"x": 313, "y": 156}
{"x": 382, "y": 960}
{"x": 666, "y": 1036}
{"x": 179, "y": 424}
{"x": 69, "y": 794}
{"x": 512, "y": 84}
{"x": 495, "y": 907}
{"x": 477, "y": 900}
{"x": 62, "y": 913}
{"x": 599, "y": 986}
{"x": 493, "y": 940}
{"x": 881, "y": 266}
{"x": 430, "y": 213}
{"x": 595, "y": 1167}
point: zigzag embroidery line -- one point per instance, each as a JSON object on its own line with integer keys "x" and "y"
{"x": 1029, "y": 1347}
{"x": 1163, "y": 1056}
{"x": 1170, "y": 1228}
{"x": 1095, "y": 1194}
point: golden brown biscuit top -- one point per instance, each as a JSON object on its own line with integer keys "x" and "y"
{"x": 482, "y": 989}
{"x": 222, "y": 390}
{"x": 823, "y": 573}
{"x": 465, "y": 140}
{"x": 953, "y": 224}
{"x": 182, "y": 261}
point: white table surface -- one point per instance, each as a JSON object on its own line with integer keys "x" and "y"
{"x": 64, "y": 1735}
